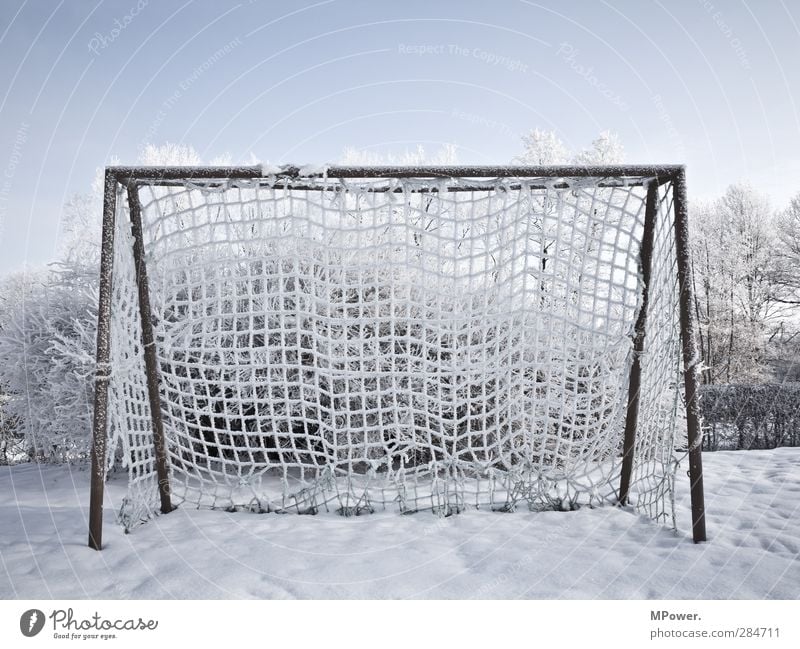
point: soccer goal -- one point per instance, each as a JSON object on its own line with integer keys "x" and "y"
{"x": 284, "y": 339}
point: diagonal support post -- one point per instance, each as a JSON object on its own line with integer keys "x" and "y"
{"x": 639, "y": 331}
{"x": 149, "y": 347}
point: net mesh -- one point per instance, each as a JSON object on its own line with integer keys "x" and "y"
{"x": 353, "y": 345}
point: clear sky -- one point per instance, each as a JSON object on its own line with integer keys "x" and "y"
{"x": 710, "y": 83}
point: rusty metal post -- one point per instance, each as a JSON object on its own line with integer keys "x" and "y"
{"x": 102, "y": 372}
{"x": 635, "y": 380}
{"x": 691, "y": 356}
{"x": 149, "y": 347}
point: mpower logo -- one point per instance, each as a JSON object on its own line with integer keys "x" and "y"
{"x": 31, "y": 622}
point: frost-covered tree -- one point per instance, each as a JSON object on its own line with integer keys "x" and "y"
{"x": 12, "y": 295}
{"x": 48, "y": 329}
{"x": 738, "y": 302}
{"x": 605, "y": 149}
{"x": 788, "y": 251}
{"x": 81, "y": 221}
{"x": 169, "y": 153}
{"x": 748, "y": 216}
{"x": 46, "y": 364}
{"x": 786, "y": 341}
{"x": 542, "y": 147}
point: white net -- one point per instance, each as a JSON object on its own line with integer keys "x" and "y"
{"x": 353, "y": 345}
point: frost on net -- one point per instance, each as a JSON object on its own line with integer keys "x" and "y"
{"x": 409, "y": 344}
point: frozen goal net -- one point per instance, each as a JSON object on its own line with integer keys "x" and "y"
{"x": 352, "y": 340}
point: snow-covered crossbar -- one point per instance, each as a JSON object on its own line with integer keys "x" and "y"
{"x": 414, "y": 343}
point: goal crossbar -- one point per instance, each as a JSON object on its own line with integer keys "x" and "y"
{"x": 661, "y": 173}
{"x": 663, "y": 185}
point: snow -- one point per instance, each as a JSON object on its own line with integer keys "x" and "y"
{"x": 752, "y": 500}
{"x": 313, "y": 170}
{"x": 271, "y": 170}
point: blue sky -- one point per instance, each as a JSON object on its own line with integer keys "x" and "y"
{"x": 711, "y": 84}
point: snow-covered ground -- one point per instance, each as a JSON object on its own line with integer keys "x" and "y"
{"x": 752, "y": 500}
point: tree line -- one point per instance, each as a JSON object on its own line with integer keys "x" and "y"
{"x": 746, "y": 275}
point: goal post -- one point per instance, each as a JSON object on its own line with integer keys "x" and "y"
{"x": 360, "y": 338}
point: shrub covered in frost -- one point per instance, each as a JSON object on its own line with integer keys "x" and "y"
{"x": 47, "y": 340}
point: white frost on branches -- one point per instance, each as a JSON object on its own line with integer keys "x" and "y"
{"x": 47, "y": 360}
{"x": 48, "y": 325}
{"x": 742, "y": 284}
{"x": 541, "y": 147}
